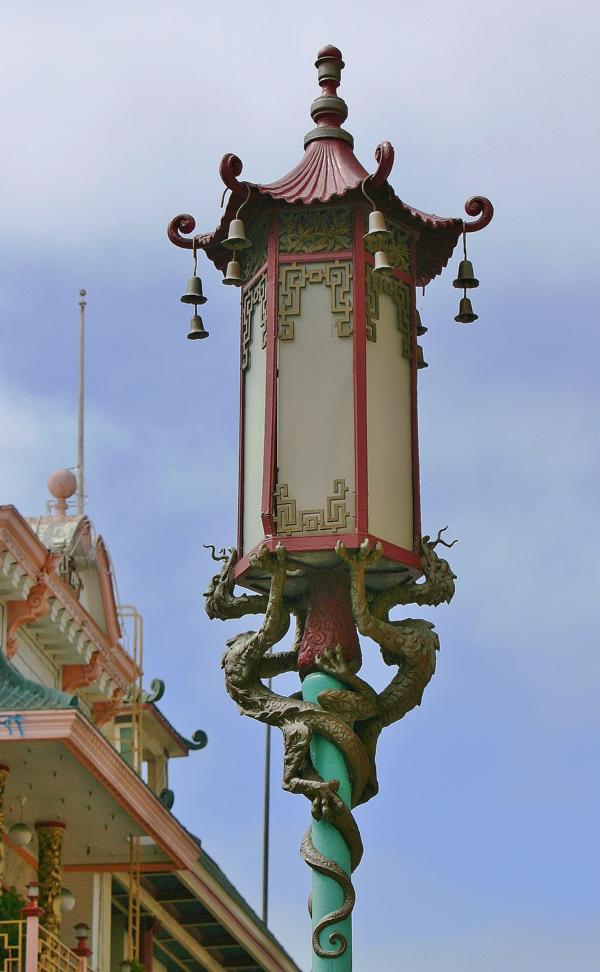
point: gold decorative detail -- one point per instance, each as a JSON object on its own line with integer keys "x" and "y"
{"x": 256, "y": 295}
{"x": 397, "y": 248}
{"x": 291, "y": 520}
{"x": 50, "y": 837}
{"x": 54, "y": 956}
{"x": 400, "y": 293}
{"x": 294, "y": 278}
{"x": 255, "y": 256}
{"x": 317, "y": 231}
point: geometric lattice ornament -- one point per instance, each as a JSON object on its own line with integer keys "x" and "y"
{"x": 399, "y": 292}
{"x": 331, "y": 518}
{"x": 294, "y": 277}
{"x": 255, "y": 295}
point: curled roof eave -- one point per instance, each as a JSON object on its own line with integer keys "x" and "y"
{"x": 329, "y": 173}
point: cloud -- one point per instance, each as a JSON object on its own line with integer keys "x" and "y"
{"x": 477, "y": 849}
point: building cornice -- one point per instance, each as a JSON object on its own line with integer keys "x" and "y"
{"x": 17, "y": 537}
{"x": 92, "y": 750}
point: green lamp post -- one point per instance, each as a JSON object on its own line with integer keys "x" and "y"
{"x": 328, "y": 260}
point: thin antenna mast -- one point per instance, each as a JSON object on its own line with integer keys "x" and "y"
{"x": 266, "y": 822}
{"x": 80, "y": 412}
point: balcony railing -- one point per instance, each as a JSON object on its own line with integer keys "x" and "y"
{"x": 54, "y": 956}
{"x": 27, "y": 947}
{"x": 12, "y": 946}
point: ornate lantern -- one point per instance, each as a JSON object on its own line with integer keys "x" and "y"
{"x": 329, "y": 468}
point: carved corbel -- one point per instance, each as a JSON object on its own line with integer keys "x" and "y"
{"x": 20, "y": 613}
{"x": 80, "y": 676}
{"x": 103, "y": 712}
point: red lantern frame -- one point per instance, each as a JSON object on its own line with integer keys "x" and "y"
{"x": 406, "y": 559}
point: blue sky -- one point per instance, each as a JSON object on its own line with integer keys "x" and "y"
{"x": 482, "y": 847}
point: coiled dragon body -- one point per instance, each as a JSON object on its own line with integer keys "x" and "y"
{"x": 353, "y": 717}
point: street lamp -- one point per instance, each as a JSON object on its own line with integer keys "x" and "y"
{"x": 32, "y": 908}
{"x": 67, "y": 900}
{"x": 82, "y": 932}
{"x": 329, "y": 259}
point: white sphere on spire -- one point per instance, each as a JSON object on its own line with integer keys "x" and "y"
{"x": 62, "y": 484}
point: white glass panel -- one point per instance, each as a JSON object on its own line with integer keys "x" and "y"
{"x": 389, "y": 432}
{"x": 254, "y": 430}
{"x": 315, "y": 414}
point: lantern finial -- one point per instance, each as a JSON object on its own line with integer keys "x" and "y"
{"x": 328, "y": 110}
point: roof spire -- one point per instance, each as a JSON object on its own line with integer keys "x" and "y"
{"x": 81, "y": 405}
{"x": 328, "y": 110}
{"x": 62, "y": 485}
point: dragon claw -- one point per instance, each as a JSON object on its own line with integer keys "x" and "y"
{"x": 268, "y": 560}
{"x": 332, "y": 661}
{"x": 363, "y": 557}
{"x": 326, "y": 802}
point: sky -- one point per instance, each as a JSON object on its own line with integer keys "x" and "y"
{"x": 481, "y": 850}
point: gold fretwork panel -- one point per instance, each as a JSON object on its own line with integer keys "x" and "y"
{"x": 294, "y": 278}
{"x": 397, "y": 249}
{"x": 319, "y": 231}
{"x": 399, "y": 292}
{"x": 256, "y": 295}
{"x": 333, "y": 517}
{"x": 255, "y": 256}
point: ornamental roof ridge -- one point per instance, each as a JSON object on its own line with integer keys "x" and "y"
{"x": 329, "y": 170}
{"x": 199, "y": 738}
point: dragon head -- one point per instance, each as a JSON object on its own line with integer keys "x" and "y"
{"x": 435, "y": 568}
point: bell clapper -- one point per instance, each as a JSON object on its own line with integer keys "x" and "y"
{"x": 194, "y": 295}
{"x": 466, "y": 280}
{"x": 465, "y": 315}
{"x": 197, "y": 329}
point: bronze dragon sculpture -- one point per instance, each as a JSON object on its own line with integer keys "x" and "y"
{"x": 353, "y": 717}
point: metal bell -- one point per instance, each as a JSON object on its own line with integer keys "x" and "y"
{"x": 421, "y": 329}
{"x": 236, "y": 238}
{"x": 378, "y": 231}
{"x": 421, "y": 363}
{"x": 196, "y": 331}
{"x": 193, "y": 294}
{"x": 233, "y": 274}
{"x": 465, "y": 312}
{"x": 382, "y": 264}
{"x": 466, "y": 278}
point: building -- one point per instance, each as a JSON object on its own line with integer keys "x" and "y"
{"x": 85, "y": 804}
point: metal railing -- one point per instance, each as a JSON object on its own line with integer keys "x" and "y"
{"x": 25, "y": 946}
{"x": 12, "y": 946}
{"x": 54, "y": 956}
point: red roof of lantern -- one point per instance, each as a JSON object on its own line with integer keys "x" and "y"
{"x": 329, "y": 171}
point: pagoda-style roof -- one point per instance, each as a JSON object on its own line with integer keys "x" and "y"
{"x": 328, "y": 172}
{"x": 18, "y": 693}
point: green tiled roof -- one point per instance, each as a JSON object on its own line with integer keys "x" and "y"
{"x": 18, "y": 692}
